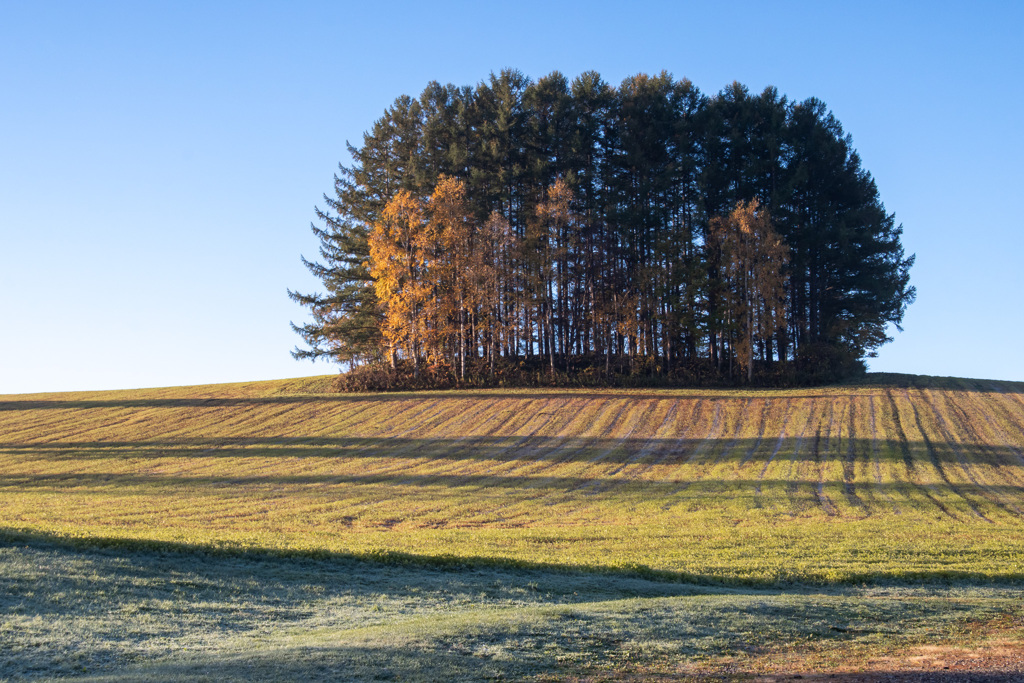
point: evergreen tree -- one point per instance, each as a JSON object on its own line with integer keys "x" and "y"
{"x": 594, "y": 226}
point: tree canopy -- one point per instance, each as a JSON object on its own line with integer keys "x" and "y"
{"x": 645, "y": 230}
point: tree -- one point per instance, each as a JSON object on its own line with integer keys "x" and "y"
{"x": 754, "y": 258}
{"x": 849, "y": 275}
{"x": 397, "y": 264}
{"x": 577, "y": 224}
{"x": 345, "y": 325}
{"x": 450, "y": 233}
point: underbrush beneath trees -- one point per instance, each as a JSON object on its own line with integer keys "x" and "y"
{"x": 817, "y": 366}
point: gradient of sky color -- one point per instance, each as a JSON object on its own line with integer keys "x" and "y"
{"x": 159, "y": 162}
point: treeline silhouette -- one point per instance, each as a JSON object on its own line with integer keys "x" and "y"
{"x": 548, "y": 232}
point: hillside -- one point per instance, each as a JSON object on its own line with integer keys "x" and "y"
{"x": 898, "y": 477}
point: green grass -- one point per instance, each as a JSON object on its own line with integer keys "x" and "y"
{"x": 151, "y": 615}
{"x": 897, "y": 478}
{"x": 273, "y": 530}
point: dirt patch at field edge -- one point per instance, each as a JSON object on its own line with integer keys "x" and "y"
{"x": 996, "y": 661}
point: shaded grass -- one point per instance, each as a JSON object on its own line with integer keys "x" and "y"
{"x": 143, "y": 614}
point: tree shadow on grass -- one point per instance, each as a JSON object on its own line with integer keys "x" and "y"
{"x": 168, "y": 613}
{"x": 512, "y": 447}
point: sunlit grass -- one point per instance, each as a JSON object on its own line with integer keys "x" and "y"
{"x": 896, "y": 478}
{"x": 271, "y": 530}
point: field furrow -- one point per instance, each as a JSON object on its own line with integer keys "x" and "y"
{"x": 779, "y": 445}
{"x": 975, "y": 451}
{"x": 917, "y": 462}
{"x": 677, "y": 443}
{"x": 765, "y": 482}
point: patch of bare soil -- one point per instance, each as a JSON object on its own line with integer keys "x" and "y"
{"x": 994, "y": 662}
{"x": 995, "y": 658}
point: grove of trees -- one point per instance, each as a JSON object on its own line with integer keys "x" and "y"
{"x": 579, "y": 229}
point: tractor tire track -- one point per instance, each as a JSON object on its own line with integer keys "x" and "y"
{"x": 955, "y": 443}
{"x": 409, "y": 455}
{"x": 1006, "y": 455}
{"x": 1016, "y": 446}
{"x": 762, "y": 424}
{"x": 444, "y": 452}
{"x": 358, "y": 445}
{"x": 793, "y": 475}
{"x": 596, "y": 483}
{"x": 1009, "y": 445}
{"x": 651, "y": 444}
{"x": 820, "y": 462}
{"x": 702, "y": 447}
{"x": 786, "y": 415}
{"x": 721, "y": 454}
{"x": 669, "y": 449}
{"x": 964, "y": 425}
{"x": 850, "y": 462}
{"x": 497, "y": 417}
{"x": 933, "y": 455}
{"x": 908, "y": 459}
{"x": 558, "y": 453}
{"x": 824, "y": 502}
{"x": 542, "y": 485}
{"x": 875, "y": 461}
{"x": 513, "y": 464}
{"x": 392, "y": 458}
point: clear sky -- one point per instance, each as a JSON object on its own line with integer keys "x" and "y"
{"x": 160, "y": 162}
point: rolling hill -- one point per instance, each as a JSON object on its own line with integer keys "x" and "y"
{"x": 894, "y": 478}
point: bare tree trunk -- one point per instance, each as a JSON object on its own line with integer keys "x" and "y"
{"x": 750, "y": 346}
{"x": 551, "y": 330}
{"x": 494, "y": 350}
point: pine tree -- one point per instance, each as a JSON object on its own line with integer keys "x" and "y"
{"x": 588, "y": 225}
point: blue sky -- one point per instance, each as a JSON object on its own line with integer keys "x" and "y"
{"x": 159, "y": 162}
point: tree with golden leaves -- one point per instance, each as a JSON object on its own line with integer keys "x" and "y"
{"x": 625, "y": 269}
{"x": 397, "y": 265}
{"x": 470, "y": 265}
{"x": 436, "y": 275}
{"x": 554, "y": 229}
{"x": 754, "y": 259}
{"x": 450, "y": 234}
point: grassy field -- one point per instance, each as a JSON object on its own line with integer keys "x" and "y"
{"x": 150, "y": 615}
{"x": 909, "y": 479}
{"x": 722, "y": 510}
